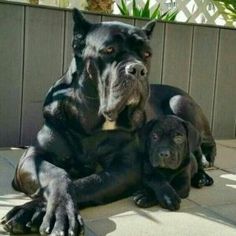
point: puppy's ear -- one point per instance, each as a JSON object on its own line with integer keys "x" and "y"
{"x": 81, "y": 25}
{"x": 147, "y": 128}
{"x": 193, "y": 136}
{"x": 149, "y": 27}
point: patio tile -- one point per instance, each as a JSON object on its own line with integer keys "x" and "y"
{"x": 194, "y": 221}
{"x": 226, "y": 158}
{"x": 227, "y": 142}
{"x": 222, "y": 192}
{"x": 7, "y": 172}
{"x": 12, "y": 156}
{"x": 226, "y": 211}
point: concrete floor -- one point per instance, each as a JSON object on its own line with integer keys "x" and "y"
{"x": 207, "y": 211}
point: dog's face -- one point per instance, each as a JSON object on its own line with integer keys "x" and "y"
{"x": 117, "y": 57}
{"x": 170, "y": 140}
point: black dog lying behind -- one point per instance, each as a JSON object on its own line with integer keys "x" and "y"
{"x": 170, "y": 142}
{"x": 169, "y": 164}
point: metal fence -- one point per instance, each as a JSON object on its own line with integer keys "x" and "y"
{"x": 35, "y": 49}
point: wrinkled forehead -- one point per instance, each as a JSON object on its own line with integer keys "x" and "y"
{"x": 111, "y": 32}
{"x": 169, "y": 125}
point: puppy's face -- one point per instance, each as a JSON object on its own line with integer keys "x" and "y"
{"x": 168, "y": 143}
{"x": 117, "y": 56}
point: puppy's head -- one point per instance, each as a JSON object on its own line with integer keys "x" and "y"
{"x": 116, "y": 56}
{"x": 169, "y": 141}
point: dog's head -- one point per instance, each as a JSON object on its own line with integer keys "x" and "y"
{"x": 117, "y": 57}
{"x": 169, "y": 141}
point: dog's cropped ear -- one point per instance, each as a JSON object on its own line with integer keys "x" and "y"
{"x": 149, "y": 27}
{"x": 193, "y": 136}
{"x": 81, "y": 25}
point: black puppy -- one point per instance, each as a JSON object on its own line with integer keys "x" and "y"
{"x": 169, "y": 163}
{"x": 168, "y": 100}
{"x": 105, "y": 88}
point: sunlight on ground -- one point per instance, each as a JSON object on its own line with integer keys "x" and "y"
{"x": 230, "y": 177}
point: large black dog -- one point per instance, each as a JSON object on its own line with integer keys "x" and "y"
{"x": 105, "y": 87}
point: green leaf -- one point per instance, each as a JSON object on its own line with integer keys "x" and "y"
{"x": 156, "y": 12}
{"x": 146, "y": 10}
{"x": 121, "y": 10}
{"x": 162, "y": 17}
{"x": 136, "y": 11}
{"x": 171, "y": 16}
{"x": 124, "y": 7}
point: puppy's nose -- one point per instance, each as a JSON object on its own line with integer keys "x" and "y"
{"x": 137, "y": 69}
{"x": 164, "y": 154}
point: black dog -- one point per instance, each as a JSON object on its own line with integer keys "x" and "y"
{"x": 169, "y": 164}
{"x": 105, "y": 87}
{"x": 167, "y": 100}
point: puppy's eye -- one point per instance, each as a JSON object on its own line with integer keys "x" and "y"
{"x": 108, "y": 50}
{"x": 147, "y": 54}
{"x": 155, "y": 137}
{"x": 178, "y": 139}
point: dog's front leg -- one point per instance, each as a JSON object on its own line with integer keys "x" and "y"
{"x": 108, "y": 185}
{"x": 165, "y": 194}
{"x": 55, "y": 210}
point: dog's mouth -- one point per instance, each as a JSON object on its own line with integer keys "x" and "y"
{"x": 124, "y": 90}
{"x": 171, "y": 162}
{"x": 112, "y": 111}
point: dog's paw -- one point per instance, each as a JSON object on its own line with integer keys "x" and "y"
{"x": 201, "y": 179}
{"x": 168, "y": 198}
{"x": 62, "y": 216}
{"x": 24, "y": 219}
{"x": 144, "y": 199}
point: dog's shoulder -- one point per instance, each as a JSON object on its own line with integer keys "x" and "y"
{"x": 60, "y": 96}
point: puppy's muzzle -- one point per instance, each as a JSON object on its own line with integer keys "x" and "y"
{"x": 165, "y": 159}
{"x": 136, "y": 69}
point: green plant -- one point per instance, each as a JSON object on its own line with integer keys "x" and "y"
{"x": 145, "y": 11}
{"x": 229, "y": 7}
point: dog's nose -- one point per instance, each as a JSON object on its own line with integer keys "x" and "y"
{"x": 164, "y": 154}
{"x": 137, "y": 69}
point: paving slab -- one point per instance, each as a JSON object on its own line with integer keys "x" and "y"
{"x": 227, "y": 211}
{"x": 195, "y": 221}
{"x": 220, "y": 193}
{"x": 227, "y": 142}
{"x": 226, "y": 158}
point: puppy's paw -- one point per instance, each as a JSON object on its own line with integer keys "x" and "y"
{"x": 201, "y": 179}
{"x": 144, "y": 199}
{"x": 209, "y": 180}
{"x": 168, "y": 198}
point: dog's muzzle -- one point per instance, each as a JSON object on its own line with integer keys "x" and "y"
{"x": 127, "y": 88}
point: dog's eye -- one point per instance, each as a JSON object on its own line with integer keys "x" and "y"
{"x": 108, "y": 50}
{"x": 178, "y": 139}
{"x": 147, "y": 54}
{"x": 155, "y": 137}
